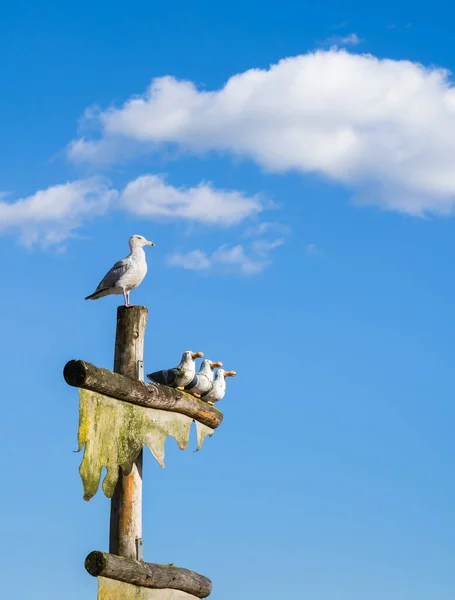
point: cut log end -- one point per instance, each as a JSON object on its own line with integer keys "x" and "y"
{"x": 131, "y": 308}
{"x": 75, "y": 373}
{"x": 95, "y": 563}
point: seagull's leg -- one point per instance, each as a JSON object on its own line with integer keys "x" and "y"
{"x": 125, "y": 297}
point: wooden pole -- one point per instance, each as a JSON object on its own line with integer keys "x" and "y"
{"x": 126, "y": 504}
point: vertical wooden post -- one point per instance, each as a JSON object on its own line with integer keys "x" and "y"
{"x": 126, "y": 503}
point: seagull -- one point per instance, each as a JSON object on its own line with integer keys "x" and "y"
{"x": 126, "y": 274}
{"x": 219, "y": 387}
{"x": 179, "y": 376}
{"x": 202, "y": 381}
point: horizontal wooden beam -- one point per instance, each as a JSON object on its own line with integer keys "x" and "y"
{"x": 147, "y": 575}
{"x": 81, "y": 374}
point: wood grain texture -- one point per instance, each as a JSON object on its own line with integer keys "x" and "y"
{"x": 126, "y": 503}
{"x": 149, "y": 575}
{"x": 82, "y": 374}
{"x": 129, "y": 340}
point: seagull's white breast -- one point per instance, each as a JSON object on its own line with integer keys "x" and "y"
{"x": 136, "y": 271}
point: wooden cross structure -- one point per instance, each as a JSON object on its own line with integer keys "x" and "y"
{"x": 121, "y": 572}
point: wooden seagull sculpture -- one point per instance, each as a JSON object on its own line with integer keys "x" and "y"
{"x": 202, "y": 381}
{"x": 179, "y": 376}
{"x": 218, "y": 387}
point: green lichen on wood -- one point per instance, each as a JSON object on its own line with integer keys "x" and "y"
{"x": 114, "y": 432}
{"x": 109, "y": 589}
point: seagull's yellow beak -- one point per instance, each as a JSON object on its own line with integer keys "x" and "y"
{"x": 230, "y": 374}
{"x": 197, "y": 354}
{"x": 214, "y": 365}
{"x": 150, "y": 244}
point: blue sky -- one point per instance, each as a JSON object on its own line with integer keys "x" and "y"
{"x": 302, "y": 216}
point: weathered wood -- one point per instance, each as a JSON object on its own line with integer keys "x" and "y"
{"x": 112, "y": 589}
{"x": 126, "y": 503}
{"x": 81, "y": 374}
{"x": 147, "y": 575}
{"x": 129, "y": 340}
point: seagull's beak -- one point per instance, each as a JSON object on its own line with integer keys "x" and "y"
{"x": 197, "y": 354}
{"x": 150, "y": 244}
{"x": 230, "y": 374}
{"x": 214, "y": 365}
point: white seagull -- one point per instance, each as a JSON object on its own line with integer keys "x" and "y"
{"x": 126, "y": 274}
{"x": 218, "y": 389}
{"x": 179, "y": 376}
{"x": 202, "y": 381}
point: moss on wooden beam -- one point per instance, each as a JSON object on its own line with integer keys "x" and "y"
{"x": 110, "y": 589}
{"x": 113, "y": 433}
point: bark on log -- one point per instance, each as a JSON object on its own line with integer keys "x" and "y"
{"x": 147, "y": 575}
{"x": 81, "y": 374}
{"x": 126, "y": 503}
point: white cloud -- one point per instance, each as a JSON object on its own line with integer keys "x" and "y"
{"x": 313, "y": 250}
{"x": 267, "y": 227}
{"x": 385, "y": 128}
{"x": 49, "y": 216}
{"x": 237, "y": 257}
{"x": 227, "y": 257}
{"x": 336, "y": 41}
{"x": 151, "y": 196}
{"x": 264, "y": 247}
{"x": 234, "y": 258}
{"x": 196, "y": 260}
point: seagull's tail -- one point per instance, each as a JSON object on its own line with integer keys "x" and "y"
{"x": 97, "y": 294}
{"x": 158, "y": 377}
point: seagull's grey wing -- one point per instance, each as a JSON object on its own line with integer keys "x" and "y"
{"x": 112, "y": 276}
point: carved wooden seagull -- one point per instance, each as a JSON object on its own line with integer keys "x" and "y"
{"x": 202, "y": 381}
{"x": 218, "y": 387}
{"x": 180, "y": 375}
{"x": 126, "y": 274}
